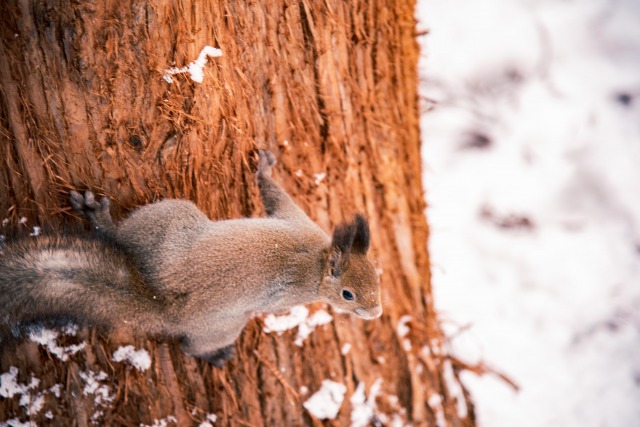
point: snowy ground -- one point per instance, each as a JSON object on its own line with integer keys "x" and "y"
{"x": 532, "y": 171}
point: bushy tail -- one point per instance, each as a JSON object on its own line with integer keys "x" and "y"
{"x": 80, "y": 279}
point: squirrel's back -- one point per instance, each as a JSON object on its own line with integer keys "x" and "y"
{"x": 160, "y": 234}
{"x": 72, "y": 278}
{"x": 176, "y": 247}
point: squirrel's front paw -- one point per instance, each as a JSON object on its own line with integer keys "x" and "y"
{"x": 266, "y": 162}
{"x": 218, "y": 357}
{"x": 87, "y": 205}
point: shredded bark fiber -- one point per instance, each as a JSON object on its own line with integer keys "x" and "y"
{"x": 330, "y": 87}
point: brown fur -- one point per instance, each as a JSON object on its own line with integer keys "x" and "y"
{"x": 202, "y": 280}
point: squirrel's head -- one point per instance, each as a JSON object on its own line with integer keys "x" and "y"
{"x": 350, "y": 282}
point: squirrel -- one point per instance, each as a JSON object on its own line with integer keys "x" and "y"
{"x": 168, "y": 270}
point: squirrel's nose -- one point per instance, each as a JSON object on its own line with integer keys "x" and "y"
{"x": 369, "y": 313}
{"x": 376, "y": 311}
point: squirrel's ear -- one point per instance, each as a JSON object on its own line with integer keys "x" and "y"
{"x": 343, "y": 236}
{"x": 352, "y": 236}
{"x": 362, "y": 237}
{"x": 349, "y": 237}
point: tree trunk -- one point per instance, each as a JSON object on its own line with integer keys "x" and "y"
{"x": 330, "y": 87}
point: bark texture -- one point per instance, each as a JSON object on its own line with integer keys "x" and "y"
{"x": 330, "y": 87}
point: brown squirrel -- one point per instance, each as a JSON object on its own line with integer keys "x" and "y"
{"x": 168, "y": 270}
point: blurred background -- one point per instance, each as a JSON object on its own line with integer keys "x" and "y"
{"x": 531, "y": 150}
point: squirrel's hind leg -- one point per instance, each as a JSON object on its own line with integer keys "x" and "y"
{"x": 97, "y": 212}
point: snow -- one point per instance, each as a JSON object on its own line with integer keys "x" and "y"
{"x": 346, "y": 348}
{"x": 93, "y": 385}
{"x": 15, "y": 422}
{"x": 318, "y": 318}
{"x": 403, "y": 330}
{"x": 211, "y": 418}
{"x": 531, "y": 155}
{"x": 32, "y": 404}
{"x": 319, "y": 177}
{"x": 96, "y": 416}
{"x": 47, "y": 338}
{"x": 195, "y": 68}
{"x": 435, "y": 403}
{"x": 9, "y": 387}
{"x": 326, "y": 402}
{"x": 164, "y": 422}
{"x": 454, "y": 388}
{"x": 55, "y": 389}
{"x": 297, "y": 317}
{"x": 280, "y": 324}
{"x": 140, "y": 359}
{"x": 364, "y": 409}
{"x": 70, "y": 330}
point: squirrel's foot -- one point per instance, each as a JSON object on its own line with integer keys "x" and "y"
{"x": 87, "y": 205}
{"x": 266, "y": 162}
{"x": 96, "y": 211}
{"x": 218, "y": 357}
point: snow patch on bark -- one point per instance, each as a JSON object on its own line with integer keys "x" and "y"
{"x": 10, "y": 387}
{"x": 48, "y": 338}
{"x": 140, "y": 359}
{"x": 195, "y": 68}
{"x": 364, "y": 409}
{"x": 325, "y": 403}
{"x": 298, "y": 317}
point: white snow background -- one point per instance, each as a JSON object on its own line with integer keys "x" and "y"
{"x": 532, "y": 173}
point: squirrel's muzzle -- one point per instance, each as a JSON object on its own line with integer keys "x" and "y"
{"x": 369, "y": 313}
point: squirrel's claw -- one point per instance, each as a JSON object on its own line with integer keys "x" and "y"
{"x": 87, "y": 204}
{"x": 77, "y": 201}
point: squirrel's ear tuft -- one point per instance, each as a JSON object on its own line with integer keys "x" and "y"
{"x": 343, "y": 237}
{"x": 352, "y": 236}
{"x": 362, "y": 237}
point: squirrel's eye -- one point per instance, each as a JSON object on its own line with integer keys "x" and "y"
{"x": 348, "y": 295}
